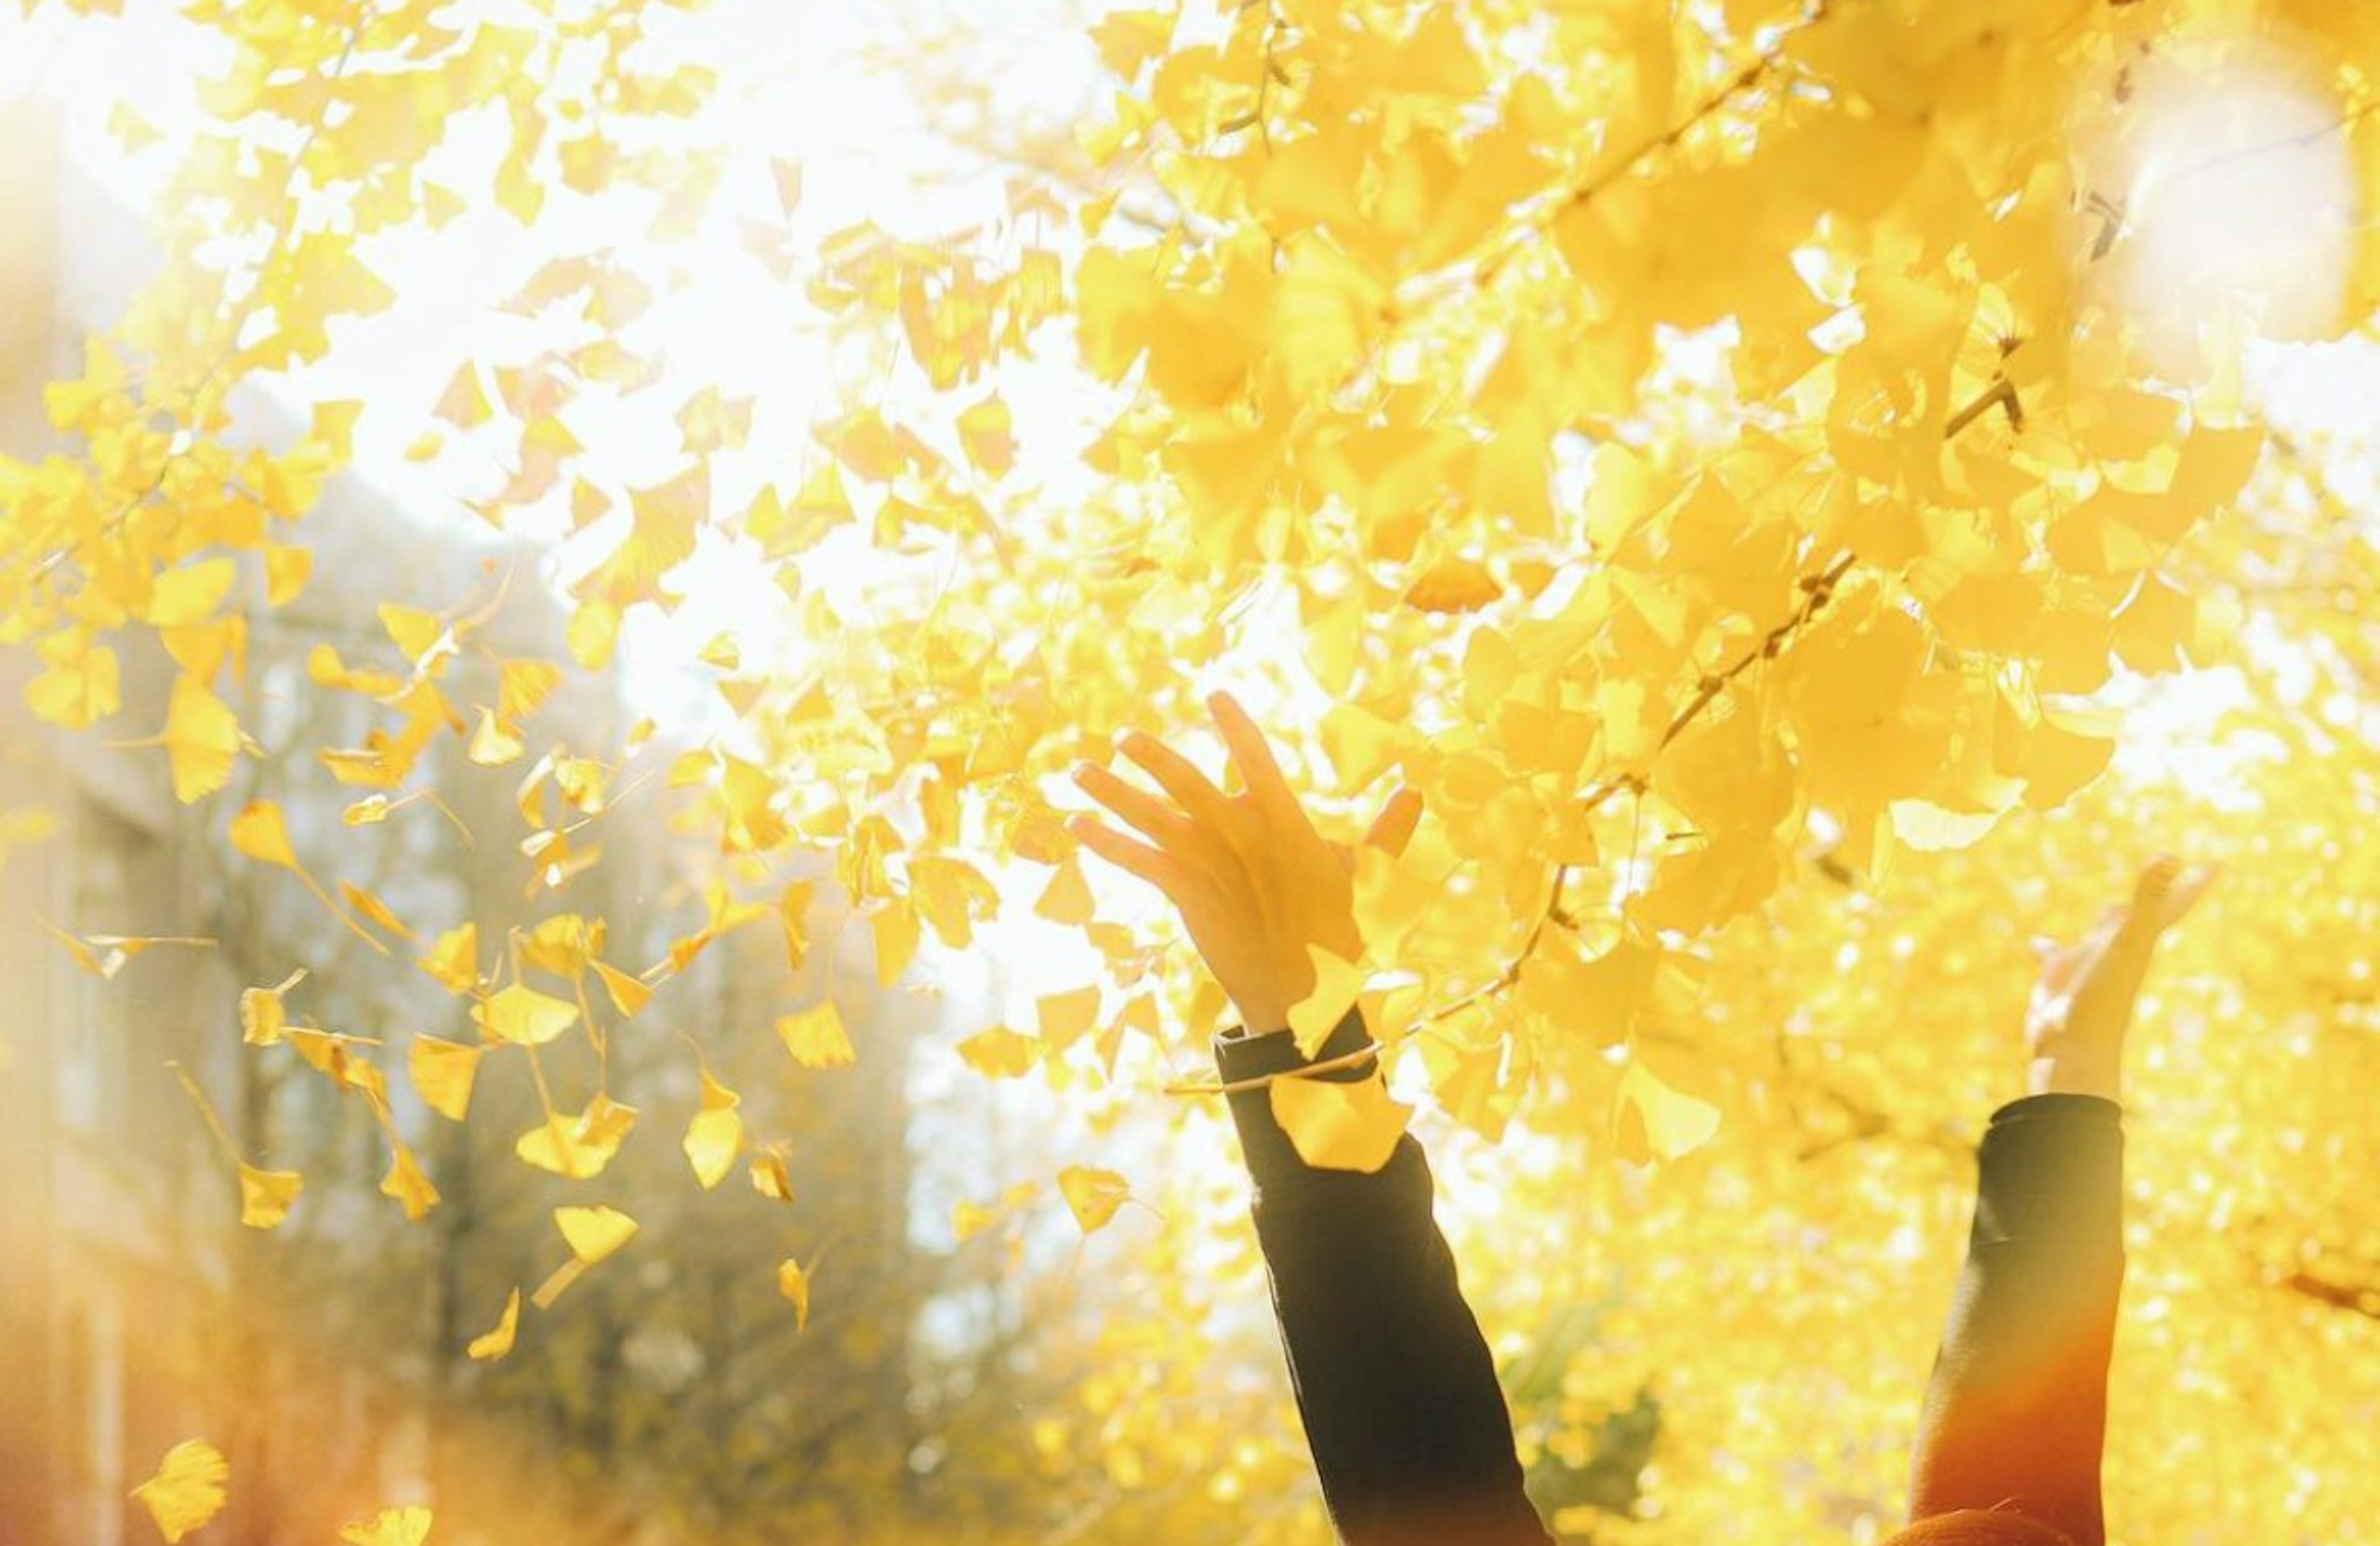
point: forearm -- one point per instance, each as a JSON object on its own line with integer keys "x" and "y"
{"x": 2016, "y": 1411}
{"x": 1393, "y": 1381}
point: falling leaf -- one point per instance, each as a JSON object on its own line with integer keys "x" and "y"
{"x": 628, "y": 995}
{"x": 716, "y": 1135}
{"x": 984, "y": 434}
{"x": 490, "y": 1345}
{"x": 1064, "y": 1017}
{"x": 374, "y": 909}
{"x": 494, "y": 744}
{"x": 770, "y": 1176}
{"x": 594, "y": 1233}
{"x": 406, "y": 1183}
{"x": 452, "y": 961}
{"x": 261, "y": 1015}
{"x": 1000, "y": 1053}
{"x": 265, "y": 1195}
{"x": 464, "y": 404}
{"x": 1336, "y": 1125}
{"x": 815, "y": 1037}
{"x": 578, "y": 1147}
{"x": 795, "y": 1284}
{"x": 200, "y": 738}
{"x": 259, "y": 832}
{"x": 327, "y": 1053}
{"x": 103, "y": 956}
{"x": 1093, "y": 1195}
{"x": 443, "y": 1073}
{"x": 408, "y": 1526}
{"x": 523, "y": 1015}
{"x": 187, "y": 1490}
{"x": 522, "y": 688}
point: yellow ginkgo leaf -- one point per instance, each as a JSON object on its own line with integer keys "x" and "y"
{"x": 594, "y": 1233}
{"x": 406, "y": 1183}
{"x": 1651, "y": 1121}
{"x": 795, "y": 1284}
{"x": 374, "y": 909}
{"x": 494, "y": 743}
{"x": 262, "y": 1013}
{"x": 331, "y": 1053}
{"x": 259, "y": 832}
{"x": 522, "y": 688}
{"x": 1093, "y": 1195}
{"x": 984, "y": 436}
{"x": 200, "y": 738}
{"x": 423, "y": 636}
{"x": 464, "y": 404}
{"x": 1313, "y": 1018}
{"x": 815, "y": 1037}
{"x": 628, "y": 995}
{"x": 1067, "y": 897}
{"x": 103, "y": 956}
{"x": 1000, "y": 1053}
{"x": 1065, "y": 1016}
{"x": 265, "y": 1195}
{"x": 453, "y": 961}
{"x": 580, "y": 1145}
{"x": 406, "y": 1526}
{"x": 490, "y": 1345}
{"x": 443, "y": 1073}
{"x": 1333, "y": 1125}
{"x": 770, "y": 1176}
{"x": 523, "y": 1015}
{"x": 286, "y": 572}
{"x": 716, "y": 1135}
{"x": 187, "y": 1490}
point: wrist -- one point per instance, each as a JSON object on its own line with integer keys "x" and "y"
{"x": 2099, "y": 1073}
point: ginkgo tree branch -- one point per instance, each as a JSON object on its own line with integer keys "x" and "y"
{"x": 283, "y": 228}
{"x": 1586, "y": 191}
{"x": 1818, "y": 589}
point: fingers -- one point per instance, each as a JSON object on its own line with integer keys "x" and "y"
{"x": 1179, "y": 777}
{"x": 1159, "y": 869}
{"x": 2167, "y": 889}
{"x": 1253, "y": 756}
{"x": 1164, "y": 825}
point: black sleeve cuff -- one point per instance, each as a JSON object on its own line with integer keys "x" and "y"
{"x": 1238, "y": 1055}
{"x": 2051, "y": 1165}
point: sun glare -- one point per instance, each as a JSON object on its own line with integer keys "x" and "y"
{"x": 2235, "y": 197}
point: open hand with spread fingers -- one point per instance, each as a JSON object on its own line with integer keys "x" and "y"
{"x": 2081, "y": 1004}
{"x": 1254, "y": 881}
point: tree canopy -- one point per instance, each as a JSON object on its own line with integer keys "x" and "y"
{"x": 1796, "y": 487}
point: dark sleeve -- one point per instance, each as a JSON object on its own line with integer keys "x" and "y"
{"x": 1393, "y": 1381}
{"x": 2016, "y": 1412}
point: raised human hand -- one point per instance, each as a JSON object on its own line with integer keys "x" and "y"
{"x": 1254, "y": 881}
{"x": 2081, "y": 1004}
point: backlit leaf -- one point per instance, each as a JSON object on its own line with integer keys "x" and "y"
{"x": 187, "y": 1490}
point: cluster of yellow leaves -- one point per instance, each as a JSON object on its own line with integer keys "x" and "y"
{"x": 1375, "y": 309}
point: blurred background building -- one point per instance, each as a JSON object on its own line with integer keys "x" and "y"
{"x": 114, "y": 1201}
